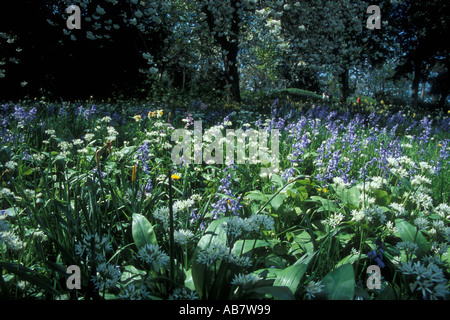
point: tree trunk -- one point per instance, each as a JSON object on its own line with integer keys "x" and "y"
{"x": 230, "y": 49}
{"x": 416, "y": 82}
{"x": 232, "y": 74}
{"x": 422, "y": 93}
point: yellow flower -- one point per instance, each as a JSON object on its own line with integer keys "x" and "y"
{"x": 137, "y": 118}
{"x": 439, "y": 145}
{"x": 325, "y": 190}
{"x": 175, "y": 177}
{"x": 319, "y": 189}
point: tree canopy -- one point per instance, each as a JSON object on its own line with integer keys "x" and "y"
{"x": 131, "y": 47}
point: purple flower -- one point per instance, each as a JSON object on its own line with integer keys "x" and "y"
{"x": 226, "y": 200}
{"x": 97, "y": 171}
{"x": 143, "y": 155}
{"x": 377, "y": 254}
{"x": 24, "y": 116}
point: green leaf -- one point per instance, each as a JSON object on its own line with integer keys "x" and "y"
{"x": 202, "y": 275}
{"x": 281, "y": 293}
{"x": 256, "y": 196}
{"x": 29, "y": 275}
{"x": 291, "y": 277}
{"x": 26, "y": 171}
{"x": 360, "y": 292}
{"x": 327, "y": 205}
{"x": 242, "y": 247}
{"x": 277, "y": 180}
{"x": 349, "y": 196}
{"x": 406, "y": 183}
{"x": 408, "y": 232}
{"x": 142, "y": 231}
{"x": 340, "y": 283}
{"x": 277, "y": 201}
{"x": 388, "y": 293}
{"x": 382, "y": 198}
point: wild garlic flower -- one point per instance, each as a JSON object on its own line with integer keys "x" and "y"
{"x": 11, "y": 165}
{"x": 182, "y": 237}
{"x": 408, "y": 247}
{"x": 245, "y": 280}
{"x": 443, "y": 210}
{"x": 131, "y": 292}
{"x": 358, "y": 215}
{"x": 107, "y": 276}
{"x": 212, "y": 254}
{"x": 313, "y": 288}
{"x": 340, "y": 183}
{"x": 238, "y": 227}
{"x": 398, "y": 209}
{"x": 429, "y": 280}
{"x": 9, "y": 238}
{"x": 419, "y": 180}
{"x": 334, "y": 220}
{"x": 183, "y": 294}
{"x": 152, "y": 255}
{"x": 421, "y": 223}
{"x": 239, "y": 261}
{"x": 93, "y": 247}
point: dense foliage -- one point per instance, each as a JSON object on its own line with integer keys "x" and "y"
{"x": 93, "y": 185}
{"x": 209, "y": 48}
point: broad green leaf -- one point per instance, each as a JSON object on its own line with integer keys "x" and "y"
{"x": 348, "y": 259}
{"x": 298, "y": 193}
{"x": 277, "y": 180}
{"x": 131, "y": 274}
{"x": 349, "y": 196}
{"x": 388, "y": 293}
{"x": 340, "y": 283}
{"x": 277, "y": 201}
{"x": 202, "y": 275}
{"x": 406, "y": 183}
{"x": 382, "y": 198}
{"x": 242, "y": 247}
{"x": 408, "y": 232}
{"x": 326, "y": 204}
{"x": 188, "y": 281}
{"x": 360, "y": 292}
{"x": 142, "y": 231}
{"x": 257, "y": 196}
{"x": 291, "y": 277}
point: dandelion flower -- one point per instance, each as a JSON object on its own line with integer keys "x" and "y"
{"x": 175, "y": 177}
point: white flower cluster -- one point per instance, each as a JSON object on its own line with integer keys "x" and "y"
{"x": 162, "y": 214}
{"x": 217, "y": 252}
{"x": 8, "y": 237}
{"x": 245, "y": 280}
{"x": 334, "y": 220}
{"x": 237, "y": 227}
